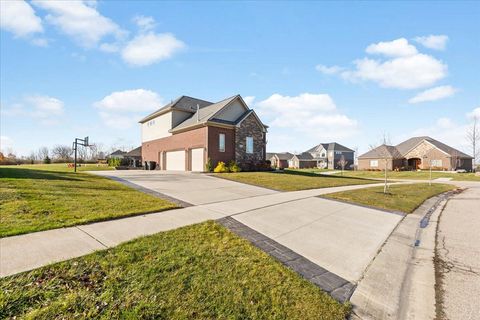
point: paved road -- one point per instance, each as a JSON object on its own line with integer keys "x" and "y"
{"x": 458, "y": 245}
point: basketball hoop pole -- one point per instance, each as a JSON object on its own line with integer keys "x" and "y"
{"x": 76, "y": 143}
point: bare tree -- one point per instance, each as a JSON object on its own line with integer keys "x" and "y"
{"x": 62, "y": 152}
{"x": 43, "y": 153}
{"x": 456, "y": 160}
{"x": 342, "y": 163}
{"x": 473, "y": 137}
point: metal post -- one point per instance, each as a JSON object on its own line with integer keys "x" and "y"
{"x": 75, "y": 158}
{"x": 83, "y": 142}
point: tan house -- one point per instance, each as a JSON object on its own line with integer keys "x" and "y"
{"x": 186, "y": 132}
{"x": 279, "y": 160}
{"x": 414, "y": 154}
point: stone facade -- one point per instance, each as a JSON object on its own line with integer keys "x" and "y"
{"x": 249, "y": 127}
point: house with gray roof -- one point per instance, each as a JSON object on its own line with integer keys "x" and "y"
{"x": 416, "y": 153}
{"x": 187, "y": 132}
{"x": 279, "y": 160}
{"x": 324, "y": 156}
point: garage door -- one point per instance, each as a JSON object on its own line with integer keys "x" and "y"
{"x": 197, "y": 160}
{"x": 176, "y": 160}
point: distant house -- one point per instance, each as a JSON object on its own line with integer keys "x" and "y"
{"x": 119, "y": 154}
{"x": 415, "y": 153}
{"x": 187, "y": 132}
{"x": 279, "y": 160}
{"x": 324, "y": 156}
{"x": 134, "y": 157}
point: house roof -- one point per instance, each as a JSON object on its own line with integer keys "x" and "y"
{"x": 330, "y": 146}
{"x": 304, "y": 156}
{"x": 383, "y": 151}
{"x": 183, "y": 103}
{"x": 400, "y": 150}
{"x": 118, "y": 153}
{"x": 280, "y": 155}
{"x": 137, "y": 152}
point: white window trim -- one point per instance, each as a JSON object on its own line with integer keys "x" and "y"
{"x": 247, "y": 149}
{"x": 374, "y": 163}
{"x": 221, "y": 140}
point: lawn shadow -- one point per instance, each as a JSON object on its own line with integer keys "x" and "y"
{"x": 18, "y": 173}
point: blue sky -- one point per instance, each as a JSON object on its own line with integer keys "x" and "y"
{"x": 314, "y": 71}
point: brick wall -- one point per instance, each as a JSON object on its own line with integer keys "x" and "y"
{"x": 152, "y": 150}
{"x": 213, "y": 151}
{"x": 249, "y": 128}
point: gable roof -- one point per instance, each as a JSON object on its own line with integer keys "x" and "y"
{"x": 304, "y": 156}
{"x": 400, "y": 150}
{"x": 382, "y": 151}
{"x": 280, "y": 155}
{"x": 137, "y": 152}
{"x": 334, "y": 146}
{"x": 117, "y": 153}
{"x": 183, "y": 103}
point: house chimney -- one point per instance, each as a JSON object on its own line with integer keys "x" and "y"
{"x": 198, "y": 113}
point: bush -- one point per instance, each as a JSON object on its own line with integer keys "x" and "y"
{"x": 221, "y": 168}
{"x": 47, "y": 160}
{"x": 114, "y": 162}
{"x": 209, "y": 165}
{"x": 233, "y": 166}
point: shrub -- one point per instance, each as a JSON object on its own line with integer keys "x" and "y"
{"x": 209, "y": 165}
{"x": 47, "y": 160}
{"x": 233, "y": 166}
{"x": 114, "y": 162}
{"x": 221, "y": 168}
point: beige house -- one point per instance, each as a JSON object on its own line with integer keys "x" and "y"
{"x": 413, "y": 154}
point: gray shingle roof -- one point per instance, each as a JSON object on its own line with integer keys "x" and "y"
{"x": 137, "y": 152}
{"x": 204, "y": 114}
{"x": 304, "y": 156}
{"x": 383, "y": 151}
{"x": 334, "y": 146}
{"x": 182, "y": 103}
{"x": 280, "y": 155}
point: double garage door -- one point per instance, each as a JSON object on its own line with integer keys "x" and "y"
{"x": 176, "y": 160}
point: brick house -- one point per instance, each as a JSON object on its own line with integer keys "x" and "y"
{"x": 415, "y": 153}
{"x": 324, "y": 156}
{"x": 186, "y": 132}
{"x": 279, "y": 160}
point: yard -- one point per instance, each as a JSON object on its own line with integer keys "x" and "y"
{"x": 202, "y": 271}
{"x": 416, "y": 175}
{"x": 402, "y": 197}
{"x": 292, "y": 180}
{"x": 41, "y": 197}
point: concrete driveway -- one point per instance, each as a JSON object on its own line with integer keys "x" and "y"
{"x": 192, "y": 188}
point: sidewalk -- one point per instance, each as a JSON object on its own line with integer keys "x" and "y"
{"x": 30, "y": 251}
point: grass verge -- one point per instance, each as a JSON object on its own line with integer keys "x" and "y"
{"x": 34, "y": 198}
{"x": 405, "y": 197}
{"x": 414, "y": 175}
{"x": 197, "y": 272}
{"x": 292, "y": 180}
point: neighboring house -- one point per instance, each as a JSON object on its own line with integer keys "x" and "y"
{"x": 186, "y": 132}
{"x": 135, "y": 157}
{"x": 279, "y": 160}
{"x": 118, "y": 154}
{"x": 324, "y": 156}
{"x": 415, "y": 153}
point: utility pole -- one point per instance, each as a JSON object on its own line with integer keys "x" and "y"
{"x": 76, "y": 143}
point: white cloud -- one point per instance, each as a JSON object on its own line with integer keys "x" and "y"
{"x": 436, "y": 42}
{"x": 475, "y": 113}
{"x": 409, "y": 72}
{"x": 144, "y": 23}
{"x": 396, "y": 48}
{"x": 122, "y": 109}
{"x": 80, "y": 20}
{"x": 19, "y": 18}
{"x": 6, "y": 143}
{"x": 433, "y": 94}
{"x": 146, "y": 49}
{"x": 249, "y": 100}
{"x": 445, "y": 123}
{"x": 328, "y": 70}
{"x": 45, "y": 108}
{"x": 315, "y": 116}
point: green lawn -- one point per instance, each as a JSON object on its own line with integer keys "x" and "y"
{"x": 417, "y": 175}
{"x": 292, "y": 180}
{"x": 34, "y": 198}
{"x": 405, "y": 197}
{"x": 197, "y": 272}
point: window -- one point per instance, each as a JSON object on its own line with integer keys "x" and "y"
{"x": 221, "y": 142}
{"x": 436, "y": 163}
{"x": 323, "y": 154}
{"x": 338, "y": 152}
{"x": 249, "y": 145}
{"x": 373, "y": 163}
